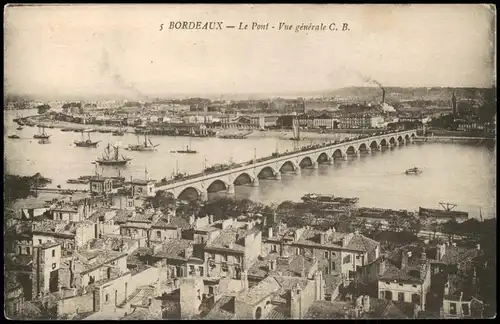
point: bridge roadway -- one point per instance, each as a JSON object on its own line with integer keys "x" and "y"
{"x": 272, "y": 166}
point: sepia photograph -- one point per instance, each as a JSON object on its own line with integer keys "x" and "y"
{"x": 238, "y": 161}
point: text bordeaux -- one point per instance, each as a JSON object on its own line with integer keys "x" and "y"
{"x": 209, "y": 25}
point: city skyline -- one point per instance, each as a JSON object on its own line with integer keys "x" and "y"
{"x": 118, "y": 51}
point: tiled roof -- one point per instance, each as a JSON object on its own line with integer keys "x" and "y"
{"x": 263, "y": 289}
{"x": 411, "y": 273}
{"x": 322, "y": 309}
{"x": 231, "y": 235}
{"x": 93, "y": 259}
{"x": 174, "y": 249}
{"x": 457, "y": 255}
{"x": 53, "y": 226}
{"x": 176, "y": 222}
{"x": 362, "y": 243}
{"x": 278, "y": 312}
{"x": 292, "y": 268}
{"x": 223, "y": 309}
{"x": 122, "y": 215}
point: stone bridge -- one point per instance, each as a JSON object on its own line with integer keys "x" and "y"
{"x": 250, "y": 173}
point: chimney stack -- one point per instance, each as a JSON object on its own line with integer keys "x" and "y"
{"x": 383, "y": 96}
{"x": 404, "y": 260}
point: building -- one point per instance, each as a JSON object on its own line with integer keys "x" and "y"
{"x": 361, "y": 120}
{"x": 405, "y": 276}
{"x": 233, "y": 249}
{"x": 337, "y": 253}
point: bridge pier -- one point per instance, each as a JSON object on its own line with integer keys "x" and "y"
{"x": 255, "y": 182}
{"x": 357, "y": 153}
{"x": 368, "y": 151}
{"x": 331, "y": 161}
{"x": 315, "y": 165}
{"x": 297, "y": 170}
{"x": 277, "y": 176}
{"x": 344, "y": 156}
{"x": 230, "y": 189}
{"x": 203, "y": 196}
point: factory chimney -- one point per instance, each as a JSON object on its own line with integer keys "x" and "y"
{"x": 383, "y": 96}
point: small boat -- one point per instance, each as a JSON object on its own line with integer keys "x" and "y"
{"x": 13, "y": 136}
{"x": 318, "y": 197}
{"x": 41, "y": 135}
{"x": 118, "y": 132}
{"x": 66, "y": 129}
{"x": 112, "y": 158}
{"x": 413, "y": 170}
{"x": 20, "y": 128}
{"x": 188, "y": 150}
{"x": 146, "y": 146}
{"x": 86, "y": 143}
{"x": 78, "y": 181}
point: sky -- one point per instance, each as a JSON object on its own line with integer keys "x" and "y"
{"x": 92, "y": 50}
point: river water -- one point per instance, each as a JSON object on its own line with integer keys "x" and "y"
{"x": 457, "y": 173}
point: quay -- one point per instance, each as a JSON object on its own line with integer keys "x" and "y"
{"x": 250, "y": 172}
{"x": 451, "y": 139}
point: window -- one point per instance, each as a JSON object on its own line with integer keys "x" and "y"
{"x": 191, "y": 270}
{"x": 212, "y": 256}
{"x": 60, "y": 216}
{"x": 28, "y": 251}
{"x": 401, "y": 296}
{"x": 53, "y": 266}
{"x": 401, "y": 285}
{"x": 333, "y": 254}
{"x": 237, "y": 259}
{"x": 200, "y": 269}
{"x": 453, "y": 308}
{"x": 107, "y": 298}
{"x": 465, "y": 309}
{"x": 39, "y": 241}
{"x": 415, "y": 299}
{"x": 326, "y": 255}
{"x": 130, "y": 203}
{"x": 224, "y": 257}
{"x": 382, "y": 294}
{"x": 258, "y": 313}
{"x": 20, "y": 250}
{"x": 298, "y": 251}
{"x": 333, "y": 265}
{"x": 415, "y": 286}
{"x": 347, "y": 259}
{"x": 158, "y": 234}
{"x": 274, "y": 248}
{"x": 53, "y": 253}
{"x": 351, "y": 274}
{"x": 387, "y": 283}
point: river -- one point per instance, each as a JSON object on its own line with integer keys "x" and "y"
{"x": 462, "y": 174}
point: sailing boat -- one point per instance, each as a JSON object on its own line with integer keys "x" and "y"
{"x": 146, "y": 146}
{"x": 86, "y": 143}
{"x": 112, "y": 158}
{"x": 119, "y": 132}
{"x": 20, "y": 128}
{"x": 296, "y": 131}
{"x": 41, "y": 135}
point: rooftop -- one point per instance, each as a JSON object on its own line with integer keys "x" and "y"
{"x": 93, "y": 259}
{"x": 223, "y": 309}
{"x": 231, "y": 238}
{"x": 291, "y": 268}
{"x": 394, "y": 269}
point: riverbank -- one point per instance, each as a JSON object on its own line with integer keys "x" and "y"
{"x": 63, "y": 124}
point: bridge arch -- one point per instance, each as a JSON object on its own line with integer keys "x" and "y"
{"x": 243, "y": 179}
{"x": 267, "y": 172}
{"x": 288, "y": 166}
{"x": 337, "y": 154}
{"x": 363, "y": 147}
{"x": 350, "y": 150}
{"x": 217, "y": 185}
{"x": 323, "y": 157}
{"x": 189, "y": 193}
{"x": 374, "y": 144}
{"x": 407, "y": 137}
{"x": 392, "y": 140}
{"x": 306, "y": 161}
{"x": 400, "y": 138}
{"x": 383, "y": 142}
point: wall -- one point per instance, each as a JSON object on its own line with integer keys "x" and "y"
{"x": 302, "y": 302}
{"x": 77, "y": 304}
{"x": 84, "y": 233}
{"x": 458, "y": 304}
{"x": 25, "y": 245}
{"x": 253, "y": 247}
{"x": 190, "y": 299}
{"x": 165, "y": 234}
{"x": 144, "y": 278}
{"x": 122, "y": 289}
{"x": 396, "y": 288}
